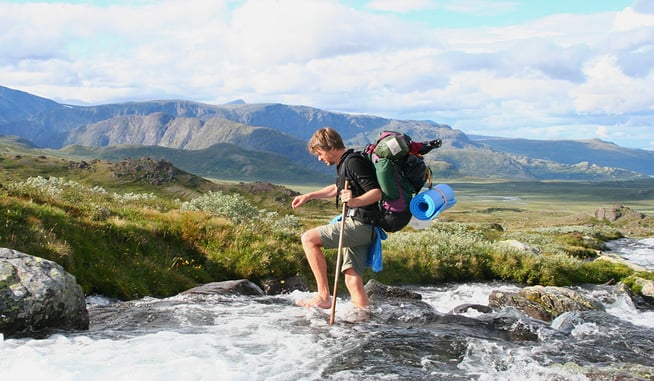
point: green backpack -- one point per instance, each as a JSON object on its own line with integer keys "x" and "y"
{"x": 401, "y": 173}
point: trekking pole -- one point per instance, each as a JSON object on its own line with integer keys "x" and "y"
{"x": 339, "y": 259}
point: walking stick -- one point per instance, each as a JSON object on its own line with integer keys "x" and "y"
{"x": 339, "y": 259}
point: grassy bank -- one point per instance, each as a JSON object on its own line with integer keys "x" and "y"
{"x": 125, "y": 242}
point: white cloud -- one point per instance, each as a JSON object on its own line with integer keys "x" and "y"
{"x": 629, "y": 19}
{"x": 486, "y": 7}
{"x": 401, "y": 6}
{"x": 588, "y": 73}
{"x": 608, "y": 90}
{"x": 264, "y": 32}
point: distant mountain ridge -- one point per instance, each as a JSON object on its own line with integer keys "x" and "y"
{"x": 276, "y": 134}
{"x": 595, "y": 151}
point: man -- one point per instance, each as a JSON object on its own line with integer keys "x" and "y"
{"x": 362, "y": 198}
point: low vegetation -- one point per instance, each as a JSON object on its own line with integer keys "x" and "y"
{"x": 127, "y": 235}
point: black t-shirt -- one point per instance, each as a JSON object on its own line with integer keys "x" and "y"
{"x": 361, "y": 176}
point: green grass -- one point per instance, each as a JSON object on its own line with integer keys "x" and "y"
{"x": 122, "y": 236}
{"x": 517, "y": 205}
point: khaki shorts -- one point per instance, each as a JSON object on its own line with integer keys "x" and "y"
{"x": 357, "y": 238}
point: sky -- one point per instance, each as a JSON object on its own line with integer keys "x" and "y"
{"x": 535, "y": 69}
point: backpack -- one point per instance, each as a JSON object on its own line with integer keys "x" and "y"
{"x": 401, "y": 173}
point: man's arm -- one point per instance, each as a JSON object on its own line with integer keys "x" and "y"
{"x": 368, "y": 198}
{"x": 326, "y": 192}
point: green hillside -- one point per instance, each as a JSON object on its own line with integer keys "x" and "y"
{"x": 137, "y": 227}
{"x": 221, "y": 161}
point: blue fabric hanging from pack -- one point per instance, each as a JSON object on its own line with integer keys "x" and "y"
{"x": 374, "y": 258}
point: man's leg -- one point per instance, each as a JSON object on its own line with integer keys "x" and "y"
{"x": 312, "y": 246}
{"x": 354, "y": 284}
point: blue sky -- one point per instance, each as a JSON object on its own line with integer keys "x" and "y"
{"x": 574, "y": 69}
{"x": 467, "y": 14}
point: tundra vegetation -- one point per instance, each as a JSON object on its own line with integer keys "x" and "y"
{"x": 143, "y": 228}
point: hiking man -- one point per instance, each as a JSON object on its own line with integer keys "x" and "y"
{"x": 362, "y": 198}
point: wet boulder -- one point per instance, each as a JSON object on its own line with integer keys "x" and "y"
{"x": 544, "y": 303}
{"x": 229, "y": 287}
{"x": 38, "y": 296}
{"x": 284, "y": 286}
{"x": 390, "y": 303}
{"x": 646, "y": 286}
{"x": 500, "y": 299}
{"x": 463, "y": 308}
{"x": 644, "y": 298}
{"x": 378, "y": 290}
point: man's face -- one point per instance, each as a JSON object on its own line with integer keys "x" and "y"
{"x": 327, "y": 157}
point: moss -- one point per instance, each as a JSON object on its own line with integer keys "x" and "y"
{"x": 635, "y": 282}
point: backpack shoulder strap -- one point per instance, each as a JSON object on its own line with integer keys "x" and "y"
{"x": 343, "y": 170}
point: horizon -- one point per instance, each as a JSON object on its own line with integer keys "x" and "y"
{"x": 241, "y": 101}
{"x": 559, "y": 70}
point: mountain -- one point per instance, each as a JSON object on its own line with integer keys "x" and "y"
{"x": 595, "y": 151}
{"x": 18, "y": 106}
{"x": 268, "y": 141}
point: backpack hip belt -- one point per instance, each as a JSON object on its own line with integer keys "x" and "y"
{"x": 363, "y": 215}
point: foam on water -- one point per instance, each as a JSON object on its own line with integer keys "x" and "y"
{"x": 623, "y": 308}
{"x": 447, "y": 297}
{"x": 489, "y": 361}
{"x": 246, "y": 342}
{"x": 640, "y": 252}
{"x": 158, "y": 356}
{"x": 637, "y": 251}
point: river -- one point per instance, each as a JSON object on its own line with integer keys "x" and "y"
{"x": 268, "y": 338}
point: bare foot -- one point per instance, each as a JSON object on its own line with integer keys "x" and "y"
{"x": 316, "y": 301}
{"x": 357, "y": 315}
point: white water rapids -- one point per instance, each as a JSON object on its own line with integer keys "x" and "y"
{"x": 268, "y": 338}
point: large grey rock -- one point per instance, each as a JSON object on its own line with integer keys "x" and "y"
{"x": 617, "y": 212}
{"x": 392, "y": 304}
{"x": 377, "y": 290}
{"x": 284, "y": 286}
{"x": 38, "y": 296}
{"x": 544, "y": 303}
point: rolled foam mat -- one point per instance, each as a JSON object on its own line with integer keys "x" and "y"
{"x": 428, "y": 204}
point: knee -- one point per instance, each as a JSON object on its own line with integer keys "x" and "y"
{"x": 310, "y": 238}
{"x": 305, "y": 239}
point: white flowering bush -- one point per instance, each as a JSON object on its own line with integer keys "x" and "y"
{"x": 236, "y": 208}
{"x": 435, "y": 242}
{"x": 54, "y": 187}
{"x": 288, "y": 224}
{"x": 58, "y": 189}
{"x": 130, "y": 197}
{"x": 232, "y": 206}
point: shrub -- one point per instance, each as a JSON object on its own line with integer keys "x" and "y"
{"x": 233, "y": 206}
{"x": 130, "y": 245}
{"x": 461, "y": 252}
{"x": 239, "y": 210}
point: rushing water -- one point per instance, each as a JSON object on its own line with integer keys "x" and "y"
{"x": 268, "y": 338}
{"x": 636, "y": 251}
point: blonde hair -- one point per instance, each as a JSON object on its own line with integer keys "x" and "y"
{"x": 325, "y": 139}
